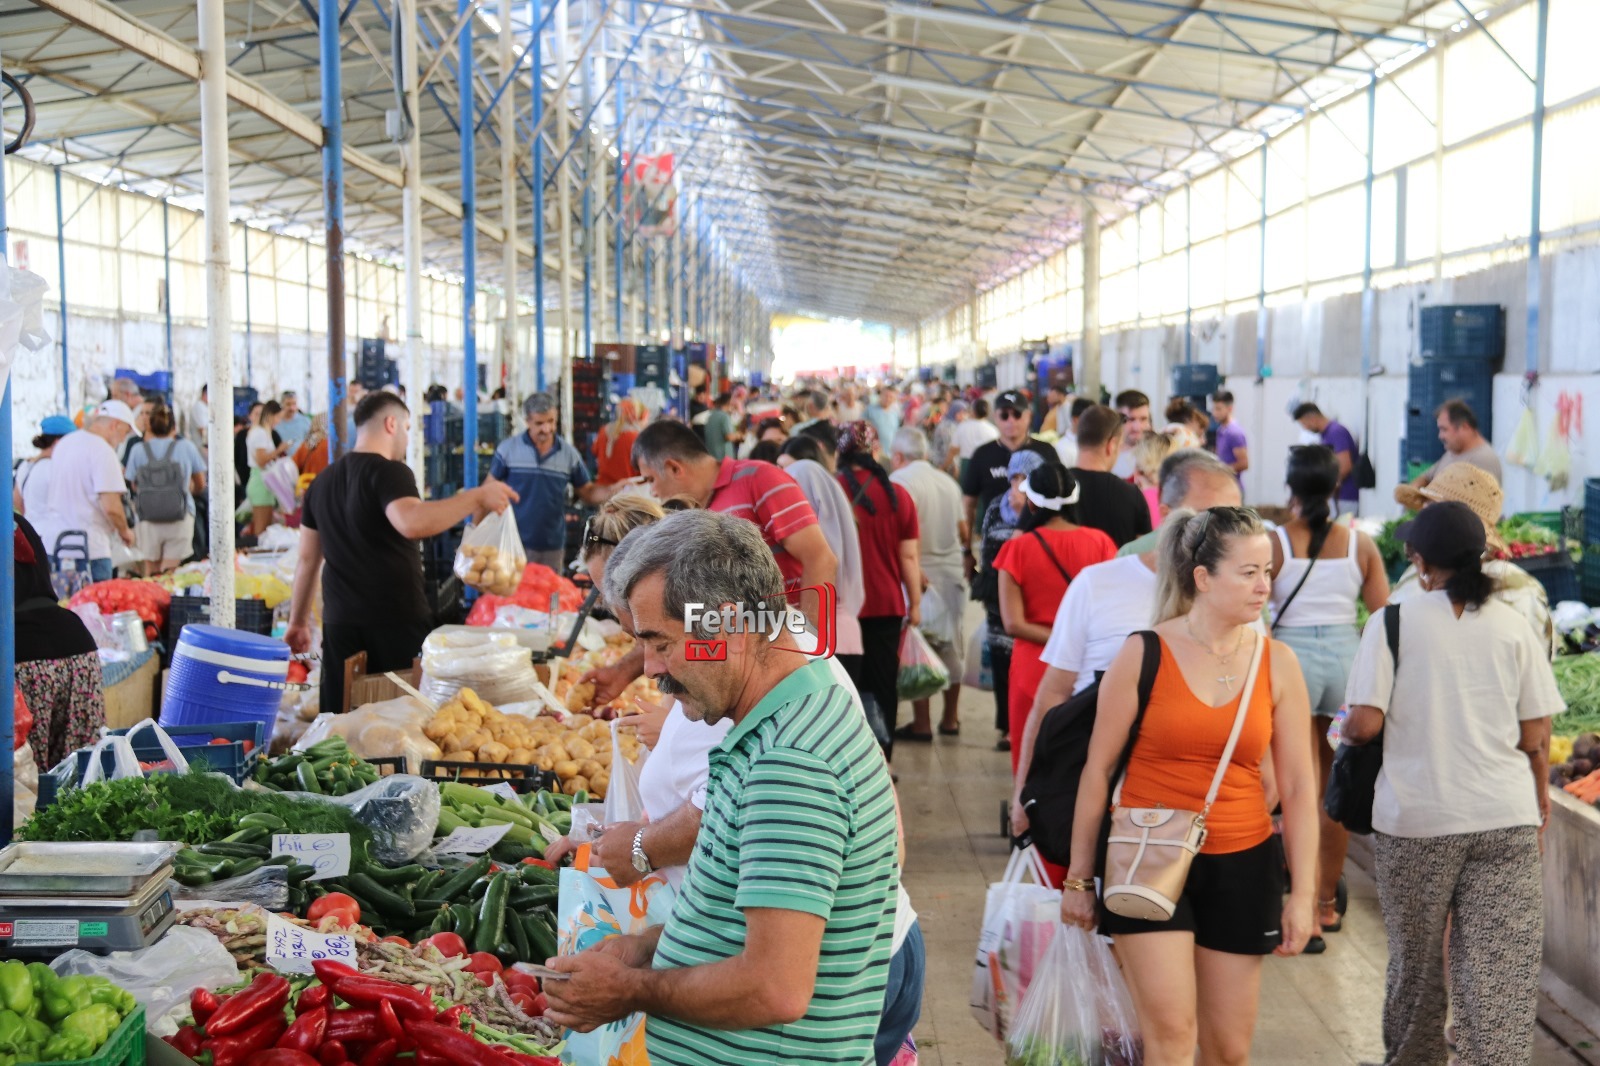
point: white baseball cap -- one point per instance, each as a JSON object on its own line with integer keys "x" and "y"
{"x": 118, "y": 410}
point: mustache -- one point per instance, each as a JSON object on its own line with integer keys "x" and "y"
{"x": 669, "y": 685}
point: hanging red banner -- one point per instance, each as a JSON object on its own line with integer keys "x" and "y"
{"x": 651, "y": 195}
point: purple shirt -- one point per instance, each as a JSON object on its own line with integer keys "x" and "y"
{"x": 1230, "y": 438}
{"x": 1339, "y": 439}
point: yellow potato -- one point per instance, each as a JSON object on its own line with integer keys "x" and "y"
{"x": 463, "y": 756}
{"x": 575, "y": 785}
{"x": 494, "y": 751}
{"x": 545, "y": 763}
{"x": 565, "y": 769}
{"x": 476, "y": 739}
{"x": 521, "y": 756}
{"x": 589, "y": 768}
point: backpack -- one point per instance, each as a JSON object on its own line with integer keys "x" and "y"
{"x": 1354, "y": 777}
{"x": 163, "y": 494}
{"x": 1050, "y": 793}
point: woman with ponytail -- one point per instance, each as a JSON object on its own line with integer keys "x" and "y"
{"x": 1035, "y": 568}
{"x": 1196, "y": 977}
{"x": 1320, "y": 571}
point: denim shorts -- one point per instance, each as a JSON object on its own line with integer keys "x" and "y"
{"x": 1325, "y": 654}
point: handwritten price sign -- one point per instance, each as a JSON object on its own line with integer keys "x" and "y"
{"x": 291, "y": 949}
{"x": 328, "y": 852}
{"x": 470, "y": 841}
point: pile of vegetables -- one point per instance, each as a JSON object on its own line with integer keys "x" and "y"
{"x": 502, "y": 999}
{"x": 534, "y": 821}
{"x": 328, "y": 767}
{"x": 1578, "y": 679}
{"x": 1525, "y": 538}
{"x": 243, "y": 931}
{"x": 538, "y": 583}
{"x": 148, "y": 599}
{"x": 46, "y": 1018}
{"x": 468, "y": 729}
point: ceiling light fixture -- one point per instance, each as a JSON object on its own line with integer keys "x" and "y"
{"x": 905, "y": 133}
{"x": 923, "y": 85}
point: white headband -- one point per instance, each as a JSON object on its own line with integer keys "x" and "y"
{"x": 1052, "y": 503}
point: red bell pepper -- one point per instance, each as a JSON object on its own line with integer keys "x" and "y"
{"x": 203, "y": 1003}
{"x": 382, "y": 1054}
{"x": 186, "y": 1040}
{"x": 452, "y": 1045}
{"x": 236, "y": 1050}
{"x": 453, "y": 1017}
{"x": 312, "y": 998}
{"x": 328, "y": 971}
{"x": 280, "y": 1057}
{"x": 307, "y": 1031}
{"x": 355, "y": 1026}
{"x": 408, "y": 1002}
{"x": 333, "y": 1054}
{"x": 265, "y": 998}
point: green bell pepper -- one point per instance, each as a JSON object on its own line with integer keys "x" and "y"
{"x": 13, "y": 1032}
{"x": 66, "y": 997}
{"x": 96, "y": 1022}
{"x": 38, "y": 1032}
{"x": 68, "y": 1047}
{"x": 101, "y": 990}
{"x": 7, "y": 1059}
{"x": 16, "y": 987}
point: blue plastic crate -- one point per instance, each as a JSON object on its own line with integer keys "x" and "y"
{"x": 1463, "y": 331}
{"x": 157, "y": 381}
{"x": 229, "y": 758}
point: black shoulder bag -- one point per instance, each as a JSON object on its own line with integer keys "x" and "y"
{"x": 1354, "y": 778}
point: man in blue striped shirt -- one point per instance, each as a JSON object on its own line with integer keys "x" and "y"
{"x": 540, "y": 467}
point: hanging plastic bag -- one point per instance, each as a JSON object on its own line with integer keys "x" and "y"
{"x": 21, "y": 720}
{"x": 124, "y": 556}
{"x": 124, "y": 762}
{"x": 1524, "y": 450}
{"x": 25, "y": 771}
{"x": 1019, "y": 920}
{"x": 978, "y": 674}
{"x": 491, "y": 557}
{"x": 1077, "y": 1010}
{"x": 939, "y": 621}
{"x": 922, "y": 673}
{"x": 161, "y": 976}
{"x": 624, "y": 803}
{"x": 282, "y": 477}
{"x": 265, "y": 886}
{"x": 493, "y": 663}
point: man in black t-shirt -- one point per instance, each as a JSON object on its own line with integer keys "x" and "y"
{"x": 363, "y": 516}
{"x": 1105, "y": 501}
{"x": 985, "y": 476}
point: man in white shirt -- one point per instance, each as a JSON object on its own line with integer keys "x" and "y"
{"x": 86, "y": 484}
{"x": 974, "y": 433}
{"x": 942, "y": 520}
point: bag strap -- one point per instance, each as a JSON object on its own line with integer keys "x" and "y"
{"x": 1051, "y": 552}
{"x": 1391, "y": 631}
{"x": 1238, "y": 725}
{"x": 1148, "y": 668}
{"x": 1319, "y": 539}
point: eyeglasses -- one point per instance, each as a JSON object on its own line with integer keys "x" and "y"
{"x": 591, "y": 537}
{"x": 1005, "y": 414}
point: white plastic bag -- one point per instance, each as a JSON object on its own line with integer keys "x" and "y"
{"x": 124, "y": 762}
{"x": 124, "y": 556}
{"x": 1019, "y": 920}
{"x": 493, "y": 663}
{"x": 401, "y": 810}
{"x": 380, "y": 731}
{"x": 939, "y": 622}
{"x": 281, "y": 476}
{"x": 265, "y": 886}
{"x": 977, "y": 674}
{"x": 491, "y": 557}
{"x": 26, "y": 775}
{"x": 162, "y": 976}
{"x": 624, "y": 803}
{"x": 922, "y": 672}
{"x": 1077, "y": 1010}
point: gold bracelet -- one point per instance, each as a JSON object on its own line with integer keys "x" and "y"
{"x": 1077, "y": 885}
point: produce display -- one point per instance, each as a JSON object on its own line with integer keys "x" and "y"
{"x": 533, "y": 591}
{"x": 578, "y": 695}
{"x": 531, "y": 825}
{"x": 46, "y": 1018}
{"x": 1524, "y": 538}
{"x": 328, "y": 767}
{"x": 146, "y": 598}
{"x": 578, "y": 751}
{"x": 1578, "y": 679}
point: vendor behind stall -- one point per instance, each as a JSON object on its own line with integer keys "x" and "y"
{"x": 58, "y": 667}
{"x": 363, "y": 515}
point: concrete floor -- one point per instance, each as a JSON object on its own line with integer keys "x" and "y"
{"x": 1314, "y": 1010}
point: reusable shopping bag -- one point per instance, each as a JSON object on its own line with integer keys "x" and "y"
{"x": 922, "y": 673}
{"x": 491, "y": 557}
{"x": 593, "y": 908}
{"x": 1077, "y": 1010}
{"x": 1019, "y": 920}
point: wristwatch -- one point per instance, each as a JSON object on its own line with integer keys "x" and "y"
{"x": 641, "y": 861}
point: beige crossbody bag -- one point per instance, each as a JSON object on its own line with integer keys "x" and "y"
{"x": 1150, "y": 848}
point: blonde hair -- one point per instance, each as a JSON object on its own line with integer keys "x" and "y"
{"x": 1190, "y": 540}
{"x": 1151, "y": 451}
{"x": 616, "y": 518}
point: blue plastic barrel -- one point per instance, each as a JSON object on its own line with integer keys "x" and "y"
{"x": 224, "y": 675}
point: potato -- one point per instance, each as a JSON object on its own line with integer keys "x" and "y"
{"x": 579, "y": 748}
{"x": 521, "y": 756}
{"x": 565, "y": 769}
{"x": 494, "y": 751}
{"x": 464, "y": 756}
{"x": 590, "y": 769}
{"x": 575, "y": 785}
{"x": 450, "y": 744}
{"x": 578, "y": 721}
{"x": 544, "y": 763}
{"x": 476, "y": 739}
{"x": 600, "y": 783}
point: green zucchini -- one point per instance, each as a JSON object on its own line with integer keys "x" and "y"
{"x": 492, "y": 914}
{"x": 534, "y": 874}
{"x": 534, "y": 896}
{"x": 465, "y": 921}
{"x": 307, "y": 779}
{"x": 457, "y": 884}
{"x": 518, "y": 935}
{"x": 541, "y": 935}
{"x": 398, "y": 875}
{"x": 386, "y": 899}
{"x": 270, "y": 822}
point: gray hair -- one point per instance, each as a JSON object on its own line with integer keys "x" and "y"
{"x": 538, "y": 403}
{"x": 911, "y": 443}
{"x": 704, "y": 557}
{"x": 819, "y": 400}
{"x": 1178, "y": 472}
{"x": 289, "y": 394}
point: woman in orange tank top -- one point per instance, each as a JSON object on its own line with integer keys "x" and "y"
{"x": 1196, "y": 977}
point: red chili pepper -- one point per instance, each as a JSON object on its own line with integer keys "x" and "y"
{"x": 307, "y": 1031}
{"x": 333, "y": 1054}
{"x": 454, "y": 1015}
{"x": 428, "y": 1058}
{"x": 186, "y": 1040}
{"x": 203, "y": 1003}
{"x": 391, "y": 1021}
{"x": 408, "y": 1002}
{"x": 452, "y": 1045}
{"x": 329, "y": 972}
{"x": 280, "y": 1057}
{"x": 382, "y": 1054}
{"x": 264, "y": 998}
{"x": 312, "y": 998}
{"x": 234, "y": 1050}
{"x": 352, "y": 1026}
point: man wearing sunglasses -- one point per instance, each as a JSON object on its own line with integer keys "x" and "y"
{"x": 986, "y": 476}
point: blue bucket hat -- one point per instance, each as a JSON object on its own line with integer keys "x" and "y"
{"x": 56, "y": 426}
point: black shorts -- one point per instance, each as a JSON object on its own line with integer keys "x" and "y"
{"x": 1232, "y": 903}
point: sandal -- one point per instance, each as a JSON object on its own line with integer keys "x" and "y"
{"x": 1338, "y": 921}
{"x": 1315, "y": 946}
{"x": 956, "y": 732}
{"x": 1003, "y": 744}
{"x": 905, "y": 733}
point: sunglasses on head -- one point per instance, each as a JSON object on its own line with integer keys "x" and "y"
{"x": 1007, "y": 414}
{"x": 591, "y": 537}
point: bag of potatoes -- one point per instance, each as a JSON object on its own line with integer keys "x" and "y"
{"x": 491, "y": 558}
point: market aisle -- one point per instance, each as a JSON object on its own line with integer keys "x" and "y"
{"x": 1314, "y": 1010}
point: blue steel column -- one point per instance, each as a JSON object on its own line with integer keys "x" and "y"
{"x": 1368, "y": 297}
{"x": 538, "y": 197}
{"x": 469, "y": 257}
{"x": 249, "y": 346}
{"x": 8, "y": 568}
{"x": 1261, "y": 290}
{"x": 588, "y": 265}
{"x": 166, "y": 267}
{"x": 333, "y": 209}
{"x": 1534, "y": 267}
{"x": 61, "y": 296}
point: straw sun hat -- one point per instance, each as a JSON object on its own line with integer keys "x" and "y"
{"x": 1463, "y": 483}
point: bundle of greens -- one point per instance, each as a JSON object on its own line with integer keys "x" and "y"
{"x": 194, "y": 808}
{"x": 1578, "y": 679}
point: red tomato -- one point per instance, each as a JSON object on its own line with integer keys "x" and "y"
{"x": 402, "y": 941}
{"x": 485, "y": 977}
{"x": 520, "y": 980}
{"x": 546, "y": 863}
{"x": 220, "y": 740}
{"x": 450, "y": 945}
{"x": 482, "y": 961}
{"x": 340, "y": 906}
{"x": 249, "y": 746}
{"x": 541, "y": 1003}
{"x": 523, "y": 1000}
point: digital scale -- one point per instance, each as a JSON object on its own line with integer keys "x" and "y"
{"x": 101, "y": 897}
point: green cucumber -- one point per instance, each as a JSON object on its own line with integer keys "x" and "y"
{"x": 240, "y": 867}
{"x": 301, "y": 872}
{"x": 235, "y": 850}
{"x": 427, "y": 881}
{"x": 480, "y": 888}
{"x": 534, "y": 874}
{"x": 492, "y": 914}
{"x": 441, "y": 921}
{"x": 387, "y": 900}
{"x": 541, "y": 935}
{"x": 534, "y": 896}
{"x": 270, "y": 822}
{"x": 398, "y": 875}
{"x": 250, "y": 835}
{"x": 307, "y": 779}
{"x": 464, "y": 920}
{"x": 521, "y": 947}
{"x": 457, "y": 884}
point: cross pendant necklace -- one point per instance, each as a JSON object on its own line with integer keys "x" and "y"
{"x": 1223, "y": 661}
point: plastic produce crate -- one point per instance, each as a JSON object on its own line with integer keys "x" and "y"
{"x": 521, "y": 778}
{"x": 250, "y": 615}
{"x": 195, "y": 740}
{"x": 1591, "y": 575}
{"x": 124, "y": 1048}
{"x": 1556, "y": 573}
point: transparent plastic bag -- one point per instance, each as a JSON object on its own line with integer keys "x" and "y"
{"x": 26, "y": 777}
{"x": 401, "y": 810}
{"x": 978, "y": 673}
{"x": 124, "y": 556}
{"x": 1077, "y": 1010}
{"x": 939, "y": 621}
{"x": 623, "y": 800}
{"x": 380, "y": 731}
{"x": 922, "y": 673}
{"x": 491, "y": 556}
{"x": 124, "y": 762}
{"x": 162, "y": 976}
{"x": 265, "y": 886}
{"x": 1019, "y": 921}
{"x": 494, "y": 664}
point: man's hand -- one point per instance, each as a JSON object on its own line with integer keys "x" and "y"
{"x": 495, "y": 496}
{"x": 595, "y": 994}
{"x": 614, "y": 851}
{"x": 127, "y": 536}
{"x": 635, "y": 951}
{"x": 609, "y": 681}
{"x": 914, "y": 616}
{"x": 298, "y": 637}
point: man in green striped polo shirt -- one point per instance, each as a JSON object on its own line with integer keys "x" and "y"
{"x": 778, "y": 948}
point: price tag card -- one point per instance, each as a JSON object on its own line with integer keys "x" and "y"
{"x": 328, "y": 852}
{"x": 291, "y": 949}
{"x": 503, "y": 790}
{"x": 470, "y": 841}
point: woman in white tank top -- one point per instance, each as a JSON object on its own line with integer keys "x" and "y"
{"x": 1314, "y": 608}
